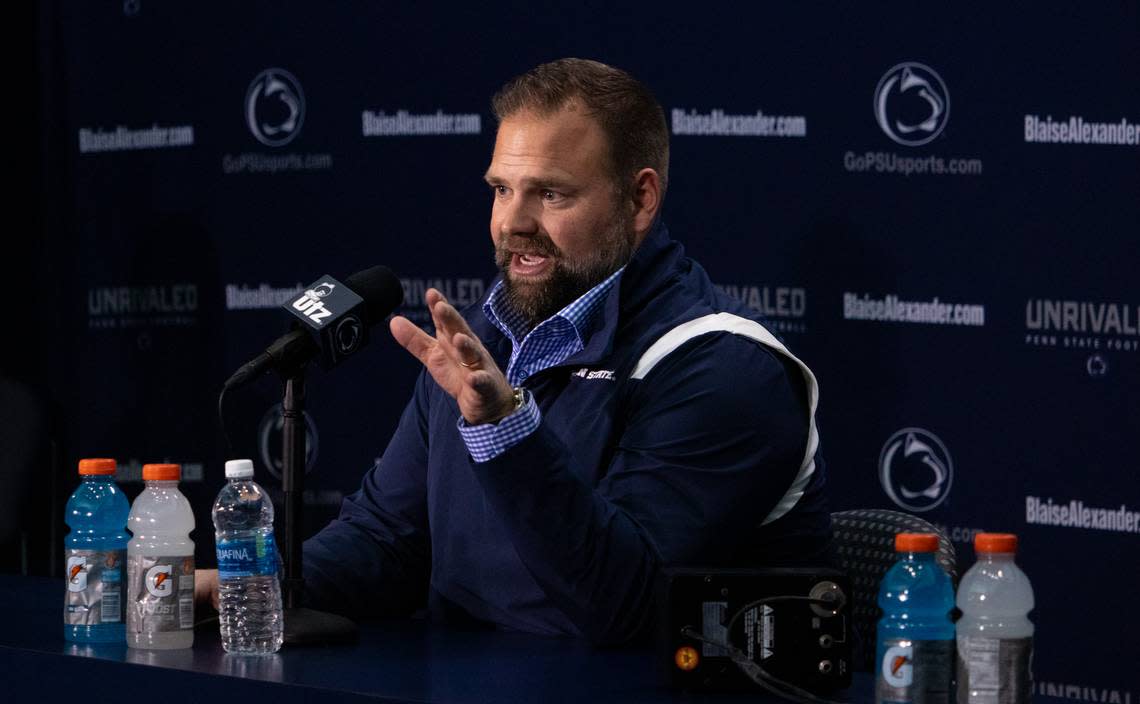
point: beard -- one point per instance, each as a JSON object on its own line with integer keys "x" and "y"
{"x": 568, "y": 279}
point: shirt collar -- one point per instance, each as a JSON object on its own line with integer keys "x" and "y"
{"x": 580, "y": 314}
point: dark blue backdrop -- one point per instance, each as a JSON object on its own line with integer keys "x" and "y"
{"x": 1013, "y": 387}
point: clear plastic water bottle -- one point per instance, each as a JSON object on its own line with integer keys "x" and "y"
{"x": 160, "y": 563}
{"x": 96, "y": 554}
{"x": 995, "y": 635}
{"x": 249, "y": 593}
{"x": 915, "y": 644}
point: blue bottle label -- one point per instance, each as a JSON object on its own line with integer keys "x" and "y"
{"x": 94, "y": 587}
{"x": 914, "y": 671}
{"x": 247, "y": 557}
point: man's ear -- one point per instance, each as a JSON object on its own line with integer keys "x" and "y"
{"x": 646, "y": 201}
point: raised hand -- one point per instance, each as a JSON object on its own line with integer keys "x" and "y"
{"x": 458, "y": 362}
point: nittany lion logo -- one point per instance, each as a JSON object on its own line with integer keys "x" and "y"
{"x": 320, "y": 290}
{"x": 275, "y": 107}
{"x": 912, "y": 104}
{"x": 915, "y": 469}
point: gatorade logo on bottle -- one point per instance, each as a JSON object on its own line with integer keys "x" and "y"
{"x": 898, "y": 666}
{"x": 76, "y": 573}
{"x": 158, "y": 581}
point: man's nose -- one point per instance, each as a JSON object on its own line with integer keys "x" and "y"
{"x": 518, "y": 217}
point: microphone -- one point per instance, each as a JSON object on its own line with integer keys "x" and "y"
{"x": 332, "y": 323}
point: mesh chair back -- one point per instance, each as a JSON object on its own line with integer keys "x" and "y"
{"x": 865, "y": 544}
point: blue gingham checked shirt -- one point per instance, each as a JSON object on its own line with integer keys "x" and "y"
{"x": 550, "y": 343}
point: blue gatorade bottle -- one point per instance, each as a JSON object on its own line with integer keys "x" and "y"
{"x": 915, "y": 644}
{"x": 96, "y": 554}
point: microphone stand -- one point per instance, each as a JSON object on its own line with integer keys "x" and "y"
{"x": 302, "y": 626}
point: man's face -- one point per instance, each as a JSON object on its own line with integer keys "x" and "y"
{"x": 557, "y": 222}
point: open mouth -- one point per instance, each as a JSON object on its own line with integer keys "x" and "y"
{"x": 529, "y": 264}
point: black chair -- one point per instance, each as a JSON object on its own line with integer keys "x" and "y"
{"x": 865, "y": 544}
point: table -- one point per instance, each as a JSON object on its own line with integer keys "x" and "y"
{"x": 395, "y": 661}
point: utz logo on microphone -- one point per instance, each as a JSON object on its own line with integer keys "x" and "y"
{"x": 311, "y": 305}
{"x": 158, "y": 580}
{"x": 333, "y": 310}
{"x": 915, "y": 469}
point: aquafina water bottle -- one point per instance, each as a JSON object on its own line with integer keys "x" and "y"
{"x": 249, "y": 594}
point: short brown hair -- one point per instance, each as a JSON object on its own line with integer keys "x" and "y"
{"x": 629, "y": 115}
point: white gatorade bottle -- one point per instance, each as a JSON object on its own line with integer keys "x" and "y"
{"x": 160, "y": 563}
{"x": 995, "y": 635}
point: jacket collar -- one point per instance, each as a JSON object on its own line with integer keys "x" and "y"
{"x": 650, "y": 268}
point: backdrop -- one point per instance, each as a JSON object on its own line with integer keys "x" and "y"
{"x": 937, "y": 209}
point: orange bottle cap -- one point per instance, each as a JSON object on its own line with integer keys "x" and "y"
{"x": 96, "y": 465}
{"x": 995, "y": 542}
{"x": 162, "y": 472}
{"x": 916, "y": 542}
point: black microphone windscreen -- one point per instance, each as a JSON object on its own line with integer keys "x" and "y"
{"x": 381, "y": 290}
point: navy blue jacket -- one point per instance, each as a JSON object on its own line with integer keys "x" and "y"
{"x": 683, "y": 434}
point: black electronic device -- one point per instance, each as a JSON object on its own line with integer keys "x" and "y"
{"x": 333, "y": 320}
{"x": 334, "y": 314}
{"x": 782, "y": 625}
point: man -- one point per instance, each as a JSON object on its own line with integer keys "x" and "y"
{"x": 603, "y": 413}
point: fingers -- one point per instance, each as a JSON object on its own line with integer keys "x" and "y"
{"x": 447, "y": 319}
{"x": 457, "y": 361}
{"x": 454, "y": 341}
{"x": 411, "y": 338}
{"x": 206, "y": 586}
{"x": 484, "y": 383}
{"x": 468, "y": 351}
{"x": 462, "y": 349}
{"x": 452, "y": 332}
{"x": 493, "y": 399}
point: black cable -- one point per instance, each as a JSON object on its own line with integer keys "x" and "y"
{"x": 755, "y": 671}
{"x": 222, "y": 420}
{"x": 758, "y": 674}
{"x": 745, "y": 663}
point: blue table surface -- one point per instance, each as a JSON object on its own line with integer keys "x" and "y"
{"x": 395, "y": 661}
